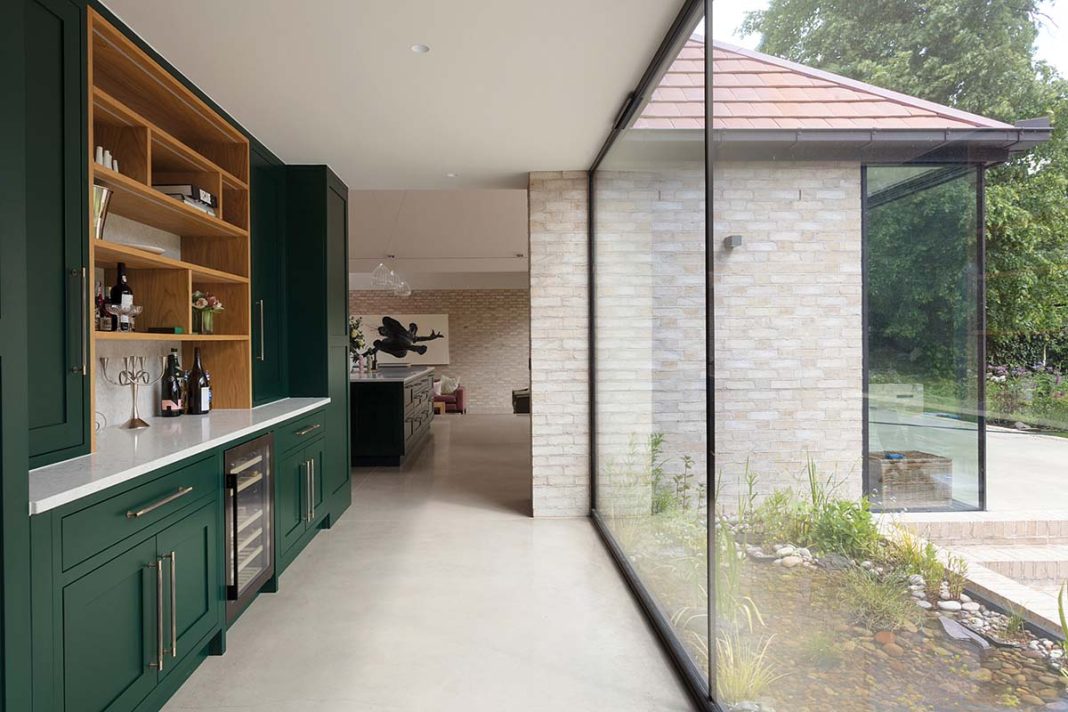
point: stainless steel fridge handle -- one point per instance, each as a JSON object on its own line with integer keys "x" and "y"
{"x": 158, "y": 566}
{"x": 174, "y": 603}
{"x": 263, "y": 350}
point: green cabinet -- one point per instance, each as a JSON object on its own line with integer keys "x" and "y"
{"x": 299, "y": 498}
{"x": 190, "y": 552}
{"x": 317, "y": 289}
{"x": 57, "y": 226}
{"x": 130, "y": 622}
{"x": 110, "y": 631}
{"x": 270, "y": 377}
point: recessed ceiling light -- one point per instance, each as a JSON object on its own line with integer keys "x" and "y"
{"x": 451, "y": 175}
{"x": 420, "y": 48}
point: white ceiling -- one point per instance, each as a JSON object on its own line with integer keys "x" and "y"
{"x": 464, "y": 237}
{"x": 509, "y": 86}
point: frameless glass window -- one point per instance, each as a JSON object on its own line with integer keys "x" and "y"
{"x": 924, "y": 367}
{"x": 887, "y": 261}
{"x": 649, "y": 212}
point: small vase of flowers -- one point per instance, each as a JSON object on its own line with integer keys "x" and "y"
{"x": 356, "y": 341}
{"x": 205, "y": 306}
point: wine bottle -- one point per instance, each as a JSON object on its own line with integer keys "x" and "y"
{"x": 121, "y": 295}
{"x": 103, "y": 319}
{"x": 198, "y": 392}
{"x": 171, "y": 388}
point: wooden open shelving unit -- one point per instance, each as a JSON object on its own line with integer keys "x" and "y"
{"x": 161, "y": 132}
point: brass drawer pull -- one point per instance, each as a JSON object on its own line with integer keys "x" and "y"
{"x": 310, "y": 428}
{"x": 182, "y": 491}
{"x": 174, "y": 603}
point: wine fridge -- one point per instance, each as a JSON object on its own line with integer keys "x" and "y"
{"x": 249, "y": 515}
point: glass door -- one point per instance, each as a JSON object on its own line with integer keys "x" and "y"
{"x": 249, "y": 545}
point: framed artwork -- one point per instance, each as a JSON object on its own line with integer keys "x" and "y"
{"x": 427, "y": 345}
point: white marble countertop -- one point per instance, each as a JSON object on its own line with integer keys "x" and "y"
{"x": 122, "y": 455}
{"x": 392, "y": 374}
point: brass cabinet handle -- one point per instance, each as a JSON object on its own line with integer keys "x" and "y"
{"x": 83, "y": 321}
{"x": 311, "y": 479}
{"x": 174, "y": 603}
{"x": 304, "y": 431}
{"x": 158, "y": 566}
{"x": 182, "y": 491}
{"x": 263, "y": 351}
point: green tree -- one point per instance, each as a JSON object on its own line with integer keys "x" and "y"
{"x": 978, "y": 56}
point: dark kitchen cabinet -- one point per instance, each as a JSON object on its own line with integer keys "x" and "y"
{"x": 57, "y": 223}
{"x": 130, "y": 623}
{"x": 270, "y": 376}
{"x": 317, "y": 296}
{"x": 299, "y": 499}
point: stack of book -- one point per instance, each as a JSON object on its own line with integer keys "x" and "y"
{"x": 192, "y": 196}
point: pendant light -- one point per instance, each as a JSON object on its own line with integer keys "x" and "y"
{"x": 380, "y": 276}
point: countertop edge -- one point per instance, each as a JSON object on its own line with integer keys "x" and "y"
{"x": 50, "y": 502}
{"x": 383, "y": 378}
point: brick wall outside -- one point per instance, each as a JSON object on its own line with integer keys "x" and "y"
{"x": 489, "y": 337}
{"x": 650, "y": 332}
{"x": 788, "y": 322}
{"x": 558, "y": 343}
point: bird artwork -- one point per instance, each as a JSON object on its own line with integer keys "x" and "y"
{"x": 398, "y": 341}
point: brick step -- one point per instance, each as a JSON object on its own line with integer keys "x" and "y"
{"x": 964, "y": 529}
{"x": 1041, "y": 565}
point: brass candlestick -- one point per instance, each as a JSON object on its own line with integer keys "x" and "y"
{"x": 134, "y": 375}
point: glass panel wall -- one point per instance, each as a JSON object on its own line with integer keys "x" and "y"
{"x": 924, "y": 366}
{"x": 650, "y": 332}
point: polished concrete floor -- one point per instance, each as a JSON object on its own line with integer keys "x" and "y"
{"x": 437, "y": 591}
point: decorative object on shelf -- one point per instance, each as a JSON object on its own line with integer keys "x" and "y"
{"x": 192, "y": 196}
{"x": 126, "y": 314}
{"x": 101, "y": 201}
{"x": 122, "y": 298}
{"x": 398, "y": 341}
{"x": 103, "y": 319}
{"x": 134, "y": 375}
{"x": 205, "y": 306}
{"x": 356, "y": 340}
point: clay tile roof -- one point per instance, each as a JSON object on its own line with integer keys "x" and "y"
{"x": 751, "y": 90}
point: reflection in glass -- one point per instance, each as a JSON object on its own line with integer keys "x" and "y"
{"x": 924, "y": 364}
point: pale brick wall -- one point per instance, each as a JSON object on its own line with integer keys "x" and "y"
{"x": 788, "y": 322}
{"x": 650, "y": 333}
{"x": 558, "y": 343}
{"x": 489, "y": 337}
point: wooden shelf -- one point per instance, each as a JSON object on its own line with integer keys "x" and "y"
{"x": 146, "y": 336}
{"x": 168, "y": 153}
{"x": 137, "y": 201}
{"x": 108, "y": 254}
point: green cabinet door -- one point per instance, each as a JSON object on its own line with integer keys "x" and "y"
{"x": 337, "y": 460}
{"x": 291, "y": 499}
{"x": 192, "y": 592}
{"x": 269, "y": 367}
{"x": 56, "y": 223}
{"x": 109, "y": 633}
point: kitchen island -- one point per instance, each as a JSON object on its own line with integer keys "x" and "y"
{"x": 390, "y": 410}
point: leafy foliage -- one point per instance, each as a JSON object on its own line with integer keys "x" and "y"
{"x": 743, "y": 669}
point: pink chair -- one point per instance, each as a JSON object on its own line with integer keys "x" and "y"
{"x": 455, "y": 402}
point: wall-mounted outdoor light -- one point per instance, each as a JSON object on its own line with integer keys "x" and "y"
{"x": 732, "y": 241}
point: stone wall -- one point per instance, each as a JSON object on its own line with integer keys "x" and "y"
{"x": 788, "y": 323}
{"x": 489, "y": 337}
{"x": 558, "y": 343}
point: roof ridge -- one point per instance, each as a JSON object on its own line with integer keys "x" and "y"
{"x": 896, "y": 97}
